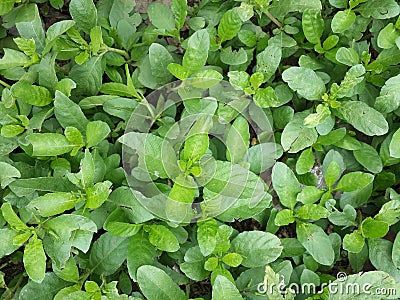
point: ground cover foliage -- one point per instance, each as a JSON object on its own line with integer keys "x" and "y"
{"x": 314, "y": 191}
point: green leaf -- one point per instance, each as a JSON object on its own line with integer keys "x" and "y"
{"x": 353, "y": 242}
{"x": 6, "y": 6}
{"x": 88, "y": 77}
{"x": 68, "y": 113}
{"x": 387, "y": 36}
{"x": 98, "y": 194}
{"x": 296, "y": 136}
{"x": 140, "y": 252}
{"x": 32, "y": 94}
{"x": 229, "y": 25}
{"x": 305, "y": 161}
{"x": 363, "y": 117}
{"x": 389, "y": 212}
{"x": 316, "y": 242}
{"x": 196, "y": 53}
{"x": 45, "y": 290}
{"x": 309, "y": 195}
{"x": 257, "y": 248}
{"x": 107, "y": 254}
{"x": 347, "y": 56}
{"x": 96, "y": 131}
{"x": 268, "y": 61}
{"x": 305, "y": 81}
{"x": 369, "y": 158}
{"x": 284, "y": 217}
{"x": 223, "y": 289}
{"x": 353, "y": 77}
{"x": 194, "y": 264}
{"x": 396, "y": 251}
{"x": 312, "y": 212}
{"x": 70, "y": 271}
{"x": 160, "y": 58}
{"x": 179, "y": 8}
{"x": 84, "y": 13}
{"x": 49, "y": 144}
{"x": 373, "y": 229}
{"x": 283, "y": 7}
{"x": 33, "y": 29}
{"x": 233, "y": 58}
{"x": 13, "y": 58}
{"x": 161, "y": 16}
{"x": 8, "y": 173}
{"x": 161, "y": 237}
{"x": 371, "y": 9}
{"x": 35, "y": 259}
{"x": 156, "y": 284}
{"x": 332, "y": 173}
{"x": 262, "y": 156}
{"x": 207, "y": 236}
{"x": 389, "y": 98}
{"x": 7, "y": 246}
{"x": 285, "y": 184}
{"x": 354, "y": 181}
{"x": 11, "y": 217}
{"x": 197, "y": 142}
{"x": 57, "y": 29}
{"x": 54, "y": 203}
{"x": 313, "y": 25}
{"x": 343, "y": 20}
{"x": 232, "y": 259}
{"x": 237, "y": 140}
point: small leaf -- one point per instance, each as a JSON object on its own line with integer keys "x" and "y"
{"x": 161, "y": 16}
{"x": 354, "y": 181}
{"x": 229, "y": 25}
{"x": 35, "y": 260}
{"x": 96, "y": 131}
{"x": 161, "y": 237}
{"x": 206, "y": 236}
{"x": 84, "y": 13}
{"x": 373, "y": 229}
{"x": 313, "y": 25}
{"x": 343, "y": 20}
{"x": 223, "y": 289}
{"x": 54, "y": 203}
{"x": 285, "y": 184}
{"x": 305, "y": 81}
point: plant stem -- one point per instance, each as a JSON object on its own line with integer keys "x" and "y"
{"x": 119, "y": 51}
{"x": 5, "y": 84}
{"x": 273, "y": 19}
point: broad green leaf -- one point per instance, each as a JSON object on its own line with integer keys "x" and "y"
{"x": 33, "y": 29}
{"x": 353, "y": 77}
{"x": 305, "y": 81}
{"x": 45, "y": 290}
{"x": 232, "y": 259}
{"x": 387, "y": 36}
{"x": 354, "y": 181}
{"x": 396, "y": 251}
{"x": 54, "y": 203}
{"x": 229, "y": 25}
{"x": 343, "y": 20}
{"x": 13, "y": 58}
{"x": 8, "y": 173}
{"x": 6, "y": 6}
{"x": 268, "y": 61}
{"x": 7, "y": 245}
{"x": 35, "y": 259}
{"x": 96, "y": 131}
{"x": 68, "y": 113}
{"x": 309, "y": 195}
{"x": 322, "y": 113}
{"x": 206, "y": 236}
{"x": 179, "y": 8}
{"x": 197, "y": 142}
{"x": 84, "y": 13}
{"x": 347, "y": 56}
{"x": 389, "y": 98}
{"x": 373, "y": 229}
{"x": 237, "y": 140}
{"x": 183, "y": 190}
{"x": 296, "y": 136}
{"x": 263, "y": 156}
{"x": 363, "y": 117}
{"x": 285, "y": 184}
{"x": 156, "y": 284}
{"x": 353, "y": 242}
{"x": 11, "y": 217}
{"x": 305, "y": 161}
{"x": 98, "y": 194}
{"x": 316, "y": 242}
{"x": 57, "y": 29}
{"x": 107, "y": 254}
{"x": 140, "y": 252}
{"x": 32, "y": 94}
{"x": 257, "y": 248}
{"x": 284, "y": 217}
{"x": 369, "y": 158}
{"x": 223, "y": 288}
{"x": 88, "y": 77}
{"x": 160, "y": 58}
{"x": 380, "y": 251}
{"x": 196, "y": 53}
{"x": 389, "y": 212}
{"x": 194, "y": 264}
{"x": 282, "y": 7}
{"x": 118, "y": 223}
{"x": 49, "y": 144}
{"x": 239, "y": 79}
{"x": 313, "y": 25}
{"x": 161, "y": 237}
{"x": 69, "y": 273}
{"x": 312, "y": 212}
{"x": 233, "y": 58}
{"x": 161, "y": 16}
{"x": 332, "y": 173}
